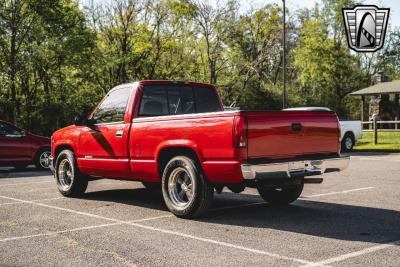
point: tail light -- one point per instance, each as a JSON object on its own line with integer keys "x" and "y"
{"x": 240, "y": 132}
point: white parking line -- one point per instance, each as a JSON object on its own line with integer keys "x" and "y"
{"x": 116, "y": 221}
{"x": 35, "y": 200}
{"x": 136, "y": 224}
{"x": 82, "y": 228}
{"x": 221, "y": 243}
{"x": 62, "y": 209}
{"x": 339, "y": 192}
{"x": 59, "y": 232}
{"x": 355, "y": 254}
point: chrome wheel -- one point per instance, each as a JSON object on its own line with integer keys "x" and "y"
{"x": 65, "y": 175}
{"x": 44, "y": 159}
{"x": 180, "y": 187}
{"x": 348, "y": 143}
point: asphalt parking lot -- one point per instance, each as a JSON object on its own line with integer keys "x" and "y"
{"x": 353, "y": 218}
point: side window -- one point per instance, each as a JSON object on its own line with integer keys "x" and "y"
{"x": 206, "y": 100}
{"x": 113, "y": 107}
{"x": 154, "y": 102}
{"x": 9, "y": 131}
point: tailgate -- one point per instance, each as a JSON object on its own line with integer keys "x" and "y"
{"x": 286, "y": 134}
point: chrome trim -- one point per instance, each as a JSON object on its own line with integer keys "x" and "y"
{"x": 108, "y": 123}
{"x": 294, "y": 168}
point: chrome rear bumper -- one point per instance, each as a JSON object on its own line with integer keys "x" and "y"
{"x": 294, "y": 168}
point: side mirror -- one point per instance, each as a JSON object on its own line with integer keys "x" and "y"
{"x": 83, "y": 121}
{"x": 79, "y": 121}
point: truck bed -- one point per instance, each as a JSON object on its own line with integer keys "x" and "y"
{"x": 270, "y": 136}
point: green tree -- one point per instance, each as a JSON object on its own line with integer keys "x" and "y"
{"x": 255, "y": 54}
{"x": 327, "y": 70}
{"x": 58, "y": 59}
{"x": 44, "y": 44}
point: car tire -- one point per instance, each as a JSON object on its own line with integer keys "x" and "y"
{"x": 70, "y": 181}
{"x": 42, "y": 159}
{"x": 348, "y": 142}
{"x": 152, "y": 186}
{"x": 185, "y": 189}
{"x": 280, "y": 195}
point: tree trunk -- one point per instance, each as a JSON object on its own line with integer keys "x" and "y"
{"x": 12, "y": 73}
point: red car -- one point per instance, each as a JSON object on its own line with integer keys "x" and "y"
{"x": 20, "y": 148}
{"x": 175, "y": 135}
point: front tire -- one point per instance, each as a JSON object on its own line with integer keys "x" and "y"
{"x": 280, "y": 195}
{"x": 186, "y": 191}
{"x": 70, "y": 181}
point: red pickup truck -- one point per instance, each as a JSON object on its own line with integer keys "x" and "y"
{"x": 177, "y": 136}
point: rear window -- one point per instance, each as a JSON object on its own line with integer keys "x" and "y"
{"x": 206, "y": 100}
{"x": 160, "y": 100}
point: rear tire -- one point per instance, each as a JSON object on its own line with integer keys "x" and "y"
{"x": 348, "y": 142}
{"x": 186, "y": 191}
{"x": 280, "y": 195}
{"x": 70, "y": 181}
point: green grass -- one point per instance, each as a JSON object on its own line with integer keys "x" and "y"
{"x": 386, "y": 141}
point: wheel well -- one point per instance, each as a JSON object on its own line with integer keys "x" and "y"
{"x": 39, "y": 150}
{"x": 349, "y": 133}
{"x": 167, "y": 154}
{"x": 61, "y": 148}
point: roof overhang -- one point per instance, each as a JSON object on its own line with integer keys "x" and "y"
{"x": 392, "y": 87}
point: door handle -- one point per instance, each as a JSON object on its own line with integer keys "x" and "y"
{"x": 119, "y": 133}
{"x": 296, "y": 127}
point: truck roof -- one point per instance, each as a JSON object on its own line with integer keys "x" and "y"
{"x": 308, "y": 109}
{"x": 144, "y": 82}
